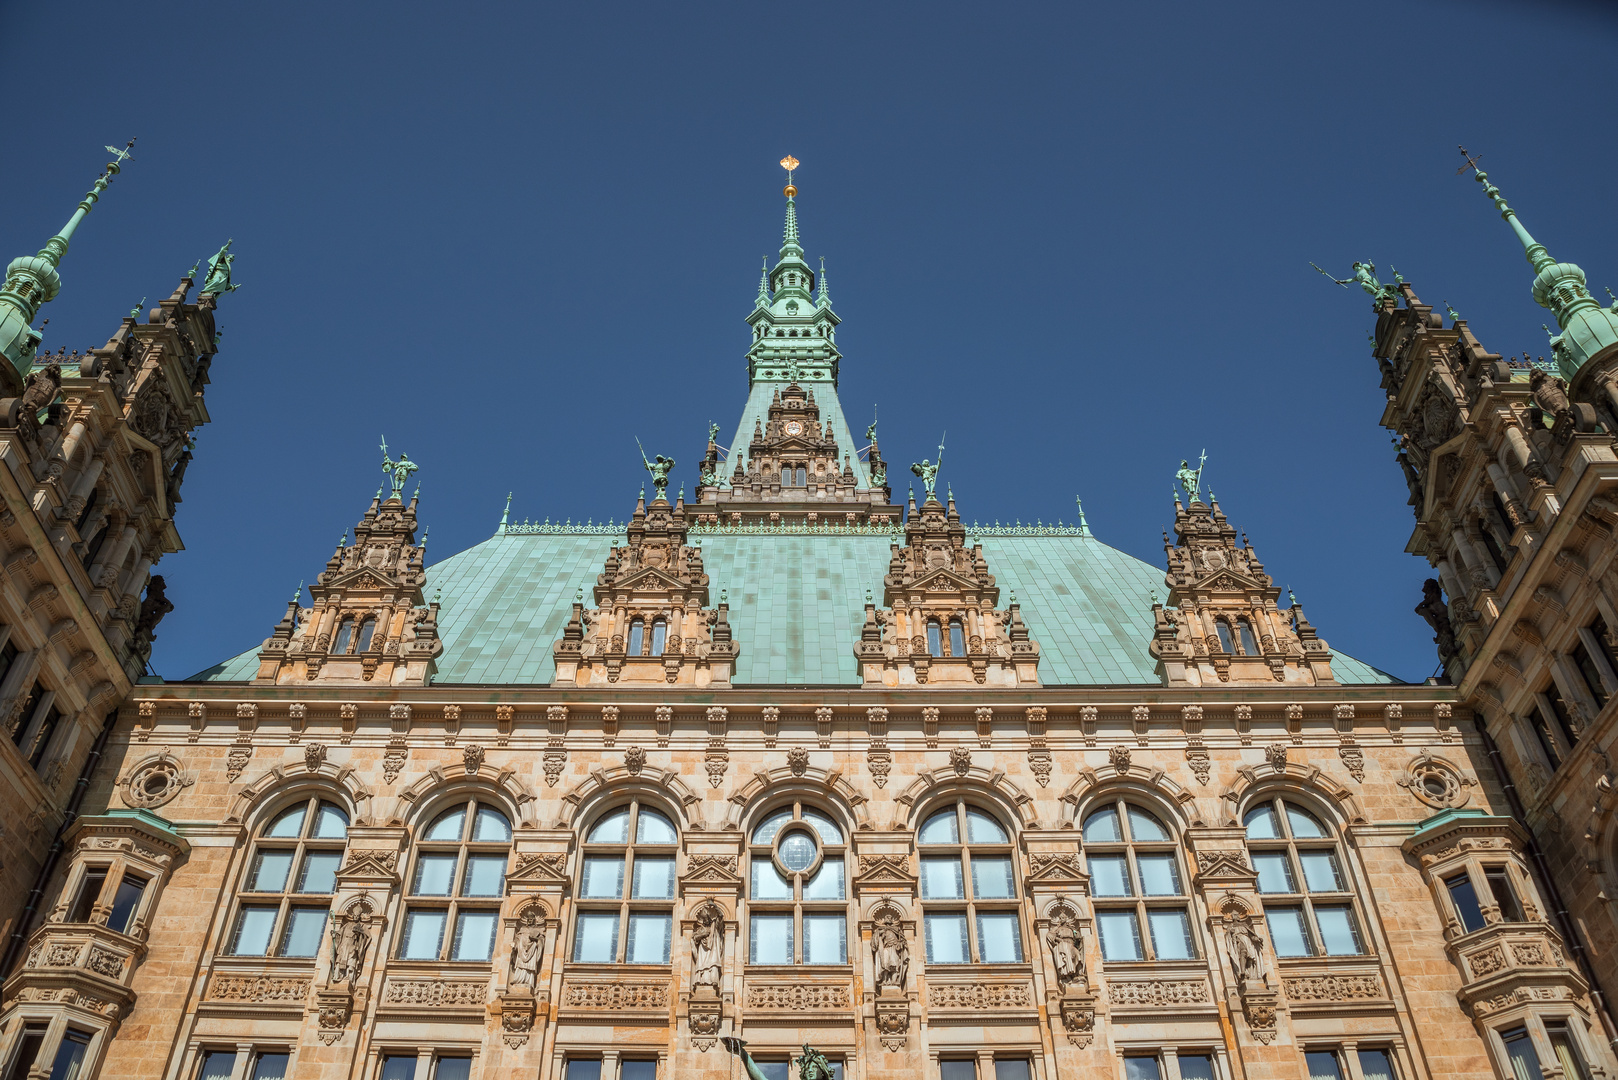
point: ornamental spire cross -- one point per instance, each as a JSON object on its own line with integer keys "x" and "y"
{"x": 1471, "y": 162}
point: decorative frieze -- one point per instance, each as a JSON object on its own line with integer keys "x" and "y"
{"x": 436, "y": 993}
{"x": 1158, "y": 992}
{"x": 980, "y": 995}
{"x": 265, "y": 989}
{"x": 615, "y": 995}
{"x": 796, "y": 996}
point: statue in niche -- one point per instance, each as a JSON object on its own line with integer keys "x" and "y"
{"x": 890, "y": 951}
{"x": 1067, "y": 952}
{"x": 350, "y": 941}
{"x": 707, "y": 947}
{"x": 527, "y": 949}
{"x": 1246, "y": 950}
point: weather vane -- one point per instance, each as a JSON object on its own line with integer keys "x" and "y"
{"x": 1471, "y": 162}
{"x": 789, "y": 163}
{"x": 120, "y": 156}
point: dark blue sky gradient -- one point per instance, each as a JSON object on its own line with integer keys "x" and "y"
{"x": 514, "y": 237}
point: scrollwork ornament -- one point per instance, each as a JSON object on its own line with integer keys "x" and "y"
{"x": 154, "y": 782}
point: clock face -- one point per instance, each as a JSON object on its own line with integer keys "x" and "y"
{"x": 793, "y": 427}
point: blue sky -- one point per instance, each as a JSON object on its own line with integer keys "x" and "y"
{"x": 515, "y": 237}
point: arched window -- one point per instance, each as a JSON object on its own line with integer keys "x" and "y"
{"x": 345, "y": 631}
{"x": 1307, "y": 902}
{"x": 957, "y": 638}
{"x": 935, "y": 641}
{"x": 645, "y": 864}
{"x": 1136, "y": 881}
{"x": 291, "y": 875}
{"x": 637, "y": 636}
{"x": 962, "y": 926}
{"x": 367, "y": 632}
{"x": 1249, "y": 642}
{"x": 660, "y": 636}
{"x": 1223, "y": 629}
{"x": 457, "y": 881}
{"x": 797, "y": 889}
{"x": 89, "y": 508}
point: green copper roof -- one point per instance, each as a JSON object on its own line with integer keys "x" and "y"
{"x": 796, "y": 607}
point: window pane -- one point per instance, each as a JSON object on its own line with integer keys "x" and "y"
{"x": 1561, "y": 1042}
{"x": 957, "y": 638}
{"x": 453, "y": 1068}
{"x": 1320, "y": 871}
{"x": 991, "y": 877}
{"x": 587, "y": 1069}
{"x": 660, "y": 636}
{"x": 957, "y": 1070}
{"x": 653, "y": 828}
{"x": 217, "y": 1065}
{"x": 70, "y": 1055}
{"x": 946, "y": 938}
{"x": 448, "y": 826}
{"x": 825, "y": 939}
{"x": 304, "y": 929}
{"x": 827, "y": 884}
{"x": 1199, "y": 1067}
{"x": 485, "y": 876}
{"x": 1322, "y": 1065}
{"x": 423, "y": 935}
{"x": 1143, "y": 826}
{"x": 491, "y": 826}
{"x": 1286, "y": 931}
{"x": 1102, "y": 826}
{"x": 1465, "y": 899}
{"x": 124, "y": 902}
{"x": 596, "y": 939}
{"x": 1260, "y": 822}
{"x": 1504, "y": 896}
{"x": 399, "y": 1067}
{"x": 983, "y": 829}
{"x": 1012, "y": 1069}
{"x": 638, "y": 1070}
{"x": 290, "y": 823}
{"x": 648, "y": 938}
{"x": 1171, "y": 934}
{"x": 319, "y": 871}
{"x": 770, "y": 939}
{"x": 1304, "y": 825}
{"x": 270, "y": 1067}
{"x": 825, "y": 826}
{"x": 1274, "y": 872}
{"x": 603, "y": 877}
{"x": 1120, "y": 935}
{"x": 435, "y": 875}
{"x": 1520, "y": 1052}
{"x": 941, "y": 878}
{"x": 1159, "y": 875}
{"x": 1109, "y": 876}
{"x": 941, "y": 828}
{"x": 998, "y": 940}
{"x": 270, "y": 869}
{"x": 774, "y": 1070}
{"x": 1141, "y": 1068}
{"x": 637, "y": 637}
{"x": 654, "y": 879}
{"x": 330, "y": 824}
{"x": 935, "y": 639}
{"x": 95, "y": 879}
{"x": 797, "y": 849}
{"x": 765, "y": 833}
{"x": 254, "y": 925}
{"x": 474, "y": 935}
{"x": 612, "y": 829}
{"x": 1375, "y": 1065}
{"x": 1338, "y": 933}
{"x": 768, "y": 884}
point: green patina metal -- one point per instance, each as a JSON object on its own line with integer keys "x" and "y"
{"x": 219, "y": 283}
{"x": 397, "y": 472}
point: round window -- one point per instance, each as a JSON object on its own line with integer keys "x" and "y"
{"x": 797, "y": 851}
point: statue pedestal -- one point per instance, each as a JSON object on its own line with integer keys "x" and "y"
{"x": 517, "y": 1009}
{"x": 334, "y": 1005}
{"x": 1260, "y": 1004}
{"x": 704, "y": 1013}
{"x": 1076, "y": 1011}
{"x": 892, "y": 1017}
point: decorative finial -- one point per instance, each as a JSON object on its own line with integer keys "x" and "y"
{"x": 1084, "y": 526}
{"x": 1292, "y": 599}
{"x": 192, "y": 273}
{"x": 505, "y": 515}
{"x": 297, "y": 594}
{"x": 724, "y": 596}
{"x": 1452, "y": 316}
{"x": 1154, "y": 597}
{"x": 789, "y": 163}
{"x": 134, "y": 312}
{"x": 424, "y": 534}
{"x": 342, "y": 540}
{"x": 578, "y": 595}
{"x": 438, "y": 595}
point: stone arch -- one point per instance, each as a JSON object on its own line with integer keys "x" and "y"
{"x": 442, "y": 781}
{"x": 826, "y": 784}
{"x": 927, "y": 787}
{"x": 283, "y": 779}
{"x": 665, "y": 786}
{"x": 1152, "y": 784}
{"x": 1306, "y": 780}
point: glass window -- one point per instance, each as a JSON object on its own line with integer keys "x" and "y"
{"x": 1586, "y": 666}
{"x": 1567, "y": 1054}
{"x": 976, "y": 925}
{"x": 1249, "y": 642}
{"x": 1505, "y": 897}
{"x": 452, "y": 1068}
{"x": 637, "y": 637}
{"x": 797, "y": 894}
{"x": 217, "y": 1065}
{"x": 957, "y": 638}
{"x": 637, "y": 1070}
{"x": 1225, "y": 643}
{"x": 660, "y": 636}
{"x": 583, "y": 1069}
{"x": 1135, "y": 878}
{"x": 270, "y": 1066}
{"x": 1142, "y": 1068}
{"x": 95, "y": 879}
{"x": 958, "y": 1070}
{"x": 398, "y": 1067}
{"x": 124, "y": 902}
{"x": 1520, "y": 1052}
{"x": 345, "y": 634}
{"x": 1465, "y": 899}
{"x": 1012, "y": 1069}
{"x": 367, "y": 632}
{"x": 1322, "y": 1065}
{"x": 456, "y": 885}
{"x": 627, "y": 884}
{"x": 1308, "y": 904}
{"x": 27, "y": 1051}
{"x": 1198, "y": 1067}
{"x": 303, "y": 931}
{"x": 70, "y": 1054}
{"x": 295, "y": 856}
{"x": 1376, "y": 1065}
{"x": 935, "y": 641}
{"x": 318, "y": 872}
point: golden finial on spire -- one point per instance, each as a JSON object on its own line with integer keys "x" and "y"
{"x": 789, "y": 163}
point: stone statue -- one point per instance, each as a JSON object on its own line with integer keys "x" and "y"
{"x": 891, "y": 952}
{"x": 1067, "y": 953}
{"x": 527, "y": 949}
{"x": 1433, "y": 609}
{"x": 398, "y": 471}
{"x": 812, "y": 1065}
{"x": 1246, "y": 950}
{"x": 1191, "y": 479}
{"x": 218, "y": 282}
{"x": 40, "y": 390}
{"x": 928, "y": 471}
{"x": 660, "y": 470}
{"x": 349, "y": 943}
{"x": 154, "y": 607}
{"x": 708, "y": 947}
{"x": 1550, "y": 393}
